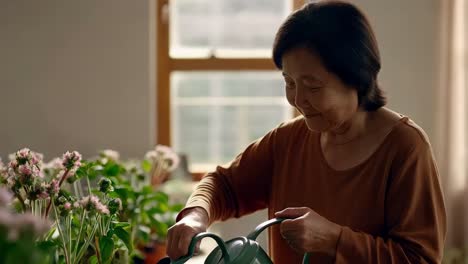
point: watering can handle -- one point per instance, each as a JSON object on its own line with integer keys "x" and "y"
{"x": 195, "y": 240}
{"x": 267, "y": 224}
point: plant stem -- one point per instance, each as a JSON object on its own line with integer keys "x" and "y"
{"x": 79, "y": 234}
{"x": 89, "y": 186}
{"x": 57, "y": 219}
{"x": 69, "y": 235}
{"x": 87, "y": 242}
{"x": 98, "y": 253}
{"x": 64, "y": 176}
{"x": 23, "y": 205}
{"x": 76, "y": 189}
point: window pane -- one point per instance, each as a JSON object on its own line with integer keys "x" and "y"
{"x": 215, "y": 115}
{"x": 225, "y": 28}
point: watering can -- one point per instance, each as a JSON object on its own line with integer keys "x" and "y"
{"x": 239, "y": 250}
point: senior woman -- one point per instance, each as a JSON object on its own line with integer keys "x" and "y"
{"x": 357, "y": 179}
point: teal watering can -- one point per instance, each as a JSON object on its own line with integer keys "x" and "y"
{"x": 240, "y": 250}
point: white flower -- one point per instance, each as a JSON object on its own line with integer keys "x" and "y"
{"x": 151, "y": 155}
{"x": 163, "y": 150}
{"x": 54, "y": 164}
{"x": 163, "y": 156}
{"x": 110, "y": 154}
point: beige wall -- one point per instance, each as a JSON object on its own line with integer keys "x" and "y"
{"x": 76, "y": 75}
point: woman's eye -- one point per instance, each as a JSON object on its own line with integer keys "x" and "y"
{"x": 314, "y": 88}
{"x": 312, "y": 85}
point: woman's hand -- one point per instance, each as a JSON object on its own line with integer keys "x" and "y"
{"x": 194, "y": 220}
{"x": 308, "y": 231}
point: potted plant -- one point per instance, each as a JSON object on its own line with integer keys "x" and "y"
{"x": 146, "y": 208}
{"x": 101, "y": 210}
{"x": 84, "y": 226}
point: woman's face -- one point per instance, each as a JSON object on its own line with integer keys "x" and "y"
{"x": 319, "y": 95}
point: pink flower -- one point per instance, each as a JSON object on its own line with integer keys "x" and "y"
{"x": 43, "y": 195}
{"x": 23, "y": 153}
{"x": 6, "y": 218}
{"x": 163, "y": 156}
{"x": 11, "y": 182}
{"x": 27, "y": 222}
{"x": 71, "y": 160}
{"x": 5, "y": 197}
{"x": 72, "y": 171}
{"x": 25, "y": 170}
{"x": 36, "y": 158}
{"x": 53, "y": 187}
{"x": 20, "y": 223}
{"x": 67, "y": 206}
{"x": 91, "y": 203}
{"x": 102, "y": 209}
{"x": 13, "y": 164}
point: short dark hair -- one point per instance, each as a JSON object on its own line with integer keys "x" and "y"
{"x": 343, "y": 39}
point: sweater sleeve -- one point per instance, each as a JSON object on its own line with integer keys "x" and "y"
{"x": 240, "y": 187}
{"x": 415, "y": 217}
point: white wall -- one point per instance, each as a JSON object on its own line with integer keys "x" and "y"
{"x": 76, "y": 75}
{"x": 407, "y": 36}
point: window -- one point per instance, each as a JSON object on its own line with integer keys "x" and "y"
{"x": 217, "y": 87}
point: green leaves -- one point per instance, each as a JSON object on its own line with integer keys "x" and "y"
{"x": 146, "y": 165}
{"x": 112, "y": 169}
{"x": 106, "y": 248}
{"x": 124, "y": 235}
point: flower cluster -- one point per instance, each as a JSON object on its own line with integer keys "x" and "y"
{"x": 110, "y": 154}
{"x": 24, "y": 169}
{"x": 63, "y": 202}
{"x": 92, "y": 204}
{"x": 163, "y": 161}
{"x": 71, "y": 161}
{"x": 52, "y": 168}
{"x": 163, "y": 156}
{"x": 31, "y": 180}
{"x": 105, "y": 185}
{"x": 115, "y": 205}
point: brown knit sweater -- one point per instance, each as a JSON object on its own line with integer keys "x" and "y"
{"x": 390, "y": 207}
